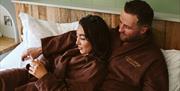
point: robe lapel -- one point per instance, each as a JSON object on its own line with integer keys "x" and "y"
{"x": 123, "y": 49}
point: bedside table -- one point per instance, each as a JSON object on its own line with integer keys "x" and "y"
{"x": 6, "y": 44}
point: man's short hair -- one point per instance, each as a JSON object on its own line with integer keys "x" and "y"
{"x": 142, "y": 10}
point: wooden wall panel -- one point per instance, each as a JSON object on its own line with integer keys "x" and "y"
{"x": 52, "y": 14}
{"x": 18, "y": 9}
{"x": 172, "y": 35}
{"x": 158, "y": 29}
{"x": 114, "y": 21}
{"x": 64, "y": 15}
{"x": 26, "y": 8}
{"x": 42, "y": 12}
{"x": 76, "y": 15}
{"x": 35, "y": 11}
{"x": 166, "y": 34}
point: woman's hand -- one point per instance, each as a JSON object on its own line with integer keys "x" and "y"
{"x": 37, "y": 69}
{"x": 31, "y": 52}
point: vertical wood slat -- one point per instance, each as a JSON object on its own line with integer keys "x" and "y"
{"x": 52, "y": 14}
{"x": 77, "y": 15}
{"x": 158, "y": 29}
{"x": 172, "y": 35}
{"x": 19, "y": 8}
{"x": 42, "y": 12}
{"x": 18, "y": 22}
{"x": 114, "y": 21}
{"x": 35, "y": 11}
{"x": 63, "y": 15}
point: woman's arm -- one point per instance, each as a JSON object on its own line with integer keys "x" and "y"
{"x": 52, "y": 45}
{"x": 9, "y": 79}
{"x": 58, "y": 44}
{"x": 88, "y": 78}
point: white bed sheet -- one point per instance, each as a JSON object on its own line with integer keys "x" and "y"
{"x": 13, "y": 59}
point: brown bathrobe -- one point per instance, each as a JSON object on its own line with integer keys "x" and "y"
{"x": 68, "y": 70}
{"x": 136, "y": 66}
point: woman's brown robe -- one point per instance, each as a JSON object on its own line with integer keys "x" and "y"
{"x": 71, "y": 70}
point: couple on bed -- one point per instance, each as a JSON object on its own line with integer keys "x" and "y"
{"x": 94, "y": 58}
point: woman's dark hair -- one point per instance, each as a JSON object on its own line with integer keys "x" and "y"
{"x": 97, "y": 33}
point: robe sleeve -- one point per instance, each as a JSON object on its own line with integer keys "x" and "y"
{"x": 156, "y": 77}
{"x": 50, "y": 82}
{"x": 11, "y": 78}
{"x": 91, "y": 80}
{"x": 58, "y": 44}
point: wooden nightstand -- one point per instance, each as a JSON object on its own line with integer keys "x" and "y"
{"x": 6, "y": 44}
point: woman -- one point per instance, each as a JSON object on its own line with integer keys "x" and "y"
{"x": 77, "y": 69}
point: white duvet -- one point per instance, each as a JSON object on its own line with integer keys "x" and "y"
{"x": 13, "y": 59}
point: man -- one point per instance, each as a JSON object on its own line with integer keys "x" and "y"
{"x": 136, "y": 64}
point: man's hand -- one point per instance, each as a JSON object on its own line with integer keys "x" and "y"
{"x": 31, "y": 52}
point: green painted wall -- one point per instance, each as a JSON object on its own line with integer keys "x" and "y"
{"x": 162, "y": 6}
{"x": 166, "y": 6}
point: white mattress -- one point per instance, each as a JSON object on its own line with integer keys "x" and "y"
{"x": 13, "y": 59}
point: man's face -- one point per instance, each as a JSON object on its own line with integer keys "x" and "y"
{"x": 128, "y": 28}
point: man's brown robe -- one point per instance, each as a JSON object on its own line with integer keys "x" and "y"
{"x": 71, "y": 70}
{"x": 136, "y": 66}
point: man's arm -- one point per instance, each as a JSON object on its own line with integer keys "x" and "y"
{"x": 156, "y": 77}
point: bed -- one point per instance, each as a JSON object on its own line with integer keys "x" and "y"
{"x": 49, "y": 21}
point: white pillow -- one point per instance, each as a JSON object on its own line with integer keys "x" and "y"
{"x": 35, "y": 29}
{"x": 173, "y": 62}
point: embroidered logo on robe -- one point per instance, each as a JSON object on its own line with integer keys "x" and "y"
{"x": 132, "y": 62}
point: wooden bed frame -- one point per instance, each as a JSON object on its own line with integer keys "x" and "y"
{"x": 166, "y": 33}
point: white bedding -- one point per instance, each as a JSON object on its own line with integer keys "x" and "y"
{"x": 13, "y": 59}
{"x": 173, "y": 63}
{"x": 34, "y": 30}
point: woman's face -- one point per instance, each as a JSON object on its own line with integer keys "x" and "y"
{"x": 83, "y": 44}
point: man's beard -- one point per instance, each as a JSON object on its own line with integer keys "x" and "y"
{"x": 126, "y": 38}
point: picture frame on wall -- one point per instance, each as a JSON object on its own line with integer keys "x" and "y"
{"x": 7, "y": 21}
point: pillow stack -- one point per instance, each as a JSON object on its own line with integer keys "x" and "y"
{"x": 173, "y": 63}
{"x": 35, "y": 29}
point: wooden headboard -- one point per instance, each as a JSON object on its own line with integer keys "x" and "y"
{"x": 166, "y": 33}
